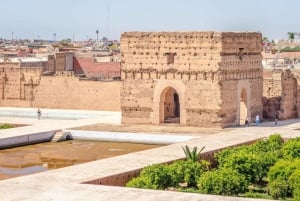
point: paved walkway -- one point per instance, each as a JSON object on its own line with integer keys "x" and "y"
{"x": 65, "y": 183}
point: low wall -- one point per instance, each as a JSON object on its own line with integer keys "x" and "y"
{"x": 122, "y": 178}
{"x": 143, "y": 138}
{"x": 26, "y": 139}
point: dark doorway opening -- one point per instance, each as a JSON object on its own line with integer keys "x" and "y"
{"x": 170, "y": 110}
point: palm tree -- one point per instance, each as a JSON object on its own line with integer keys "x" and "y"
{"x": 97, "y": 32}
{"x": 291, "y": 36}
{"x": 265, "y": 40}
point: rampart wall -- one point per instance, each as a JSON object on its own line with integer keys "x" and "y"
{"x": 25, "y": 87}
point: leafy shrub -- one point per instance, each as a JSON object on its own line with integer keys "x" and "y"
{"x": 221, "y": 157}
{"x": 291, "y": 149}
{"x": 282, "y": 169}
{"x": 271, "y": 144}
{"x": 246, "y": 163}
{"x": 6, "y": 126}
{"x": 186, "y": 172}
{"x": 252, "y": 161}
{"x": 281, "y": 183}
{"x": 152, "y": 177}
{"x": 294, "y": 182}
{"x": 162, "y": 176}
{"x": 140, "y": 182}
{"x": 223, "y": 181}
{"x": 278, "y": 189}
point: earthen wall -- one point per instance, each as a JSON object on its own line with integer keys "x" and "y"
{"x": 207, "y": 69}
{"x": 68, "y": 92}
{"x": 60, "y": 61}
{"x": 26, "y": 87}
{"x": 281, "y": 93}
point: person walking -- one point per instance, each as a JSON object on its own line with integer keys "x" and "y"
{"x": 39, "y": 113}
{"x": 276, "y": 118}
{"x": 246, "y": 122}
{"x": 257, "y": 120}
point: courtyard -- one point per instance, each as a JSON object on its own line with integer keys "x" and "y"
{"x": 74, "y": 183}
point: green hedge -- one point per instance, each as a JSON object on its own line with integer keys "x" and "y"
{"x": 223, "y": 181}
{"x": 269, "y": 165}
{"x": 252, "y": 161}
{"x": 162, "y": 176}
{"x": 283, "y": 178}
{"x": 291, "y": 149}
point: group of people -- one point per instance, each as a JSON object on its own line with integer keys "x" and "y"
{"x": 257, "y": 120}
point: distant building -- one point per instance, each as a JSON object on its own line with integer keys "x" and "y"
{"x": 96, "y": 67}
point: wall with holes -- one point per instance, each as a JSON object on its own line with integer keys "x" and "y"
{"x": 204, "y": 68}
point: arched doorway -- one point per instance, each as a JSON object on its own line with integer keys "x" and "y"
{"x": 169, "y": 106}
{"x": 243, "y": 107}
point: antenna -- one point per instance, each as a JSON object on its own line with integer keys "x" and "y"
{"x": 108, "y": 16}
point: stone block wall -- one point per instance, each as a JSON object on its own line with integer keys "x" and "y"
{"x": 208, "y": 70}
{"x": 281, "y": 93}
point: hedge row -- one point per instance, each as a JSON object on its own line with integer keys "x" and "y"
{"x": 269, "y": 163}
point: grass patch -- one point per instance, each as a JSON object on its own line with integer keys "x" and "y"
{"x": 6, "y": 126}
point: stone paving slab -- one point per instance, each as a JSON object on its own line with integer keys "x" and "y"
{"x": 83, "y": 192}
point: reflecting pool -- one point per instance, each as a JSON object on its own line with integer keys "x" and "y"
{"x": 45, "y": 156}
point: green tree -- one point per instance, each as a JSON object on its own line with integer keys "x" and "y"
{"x": 97, "y": 32}
{"x": 291, "y": 35}
{"x": 265, "y": 40}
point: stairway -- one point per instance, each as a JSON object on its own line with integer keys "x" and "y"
{"x": 174, "y": 120}
{"x": 57, "y": 136}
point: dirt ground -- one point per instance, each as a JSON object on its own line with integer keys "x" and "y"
{"x": 163, "y": 128}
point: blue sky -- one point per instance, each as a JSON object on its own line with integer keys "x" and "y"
{"x": 81, "y": 18}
